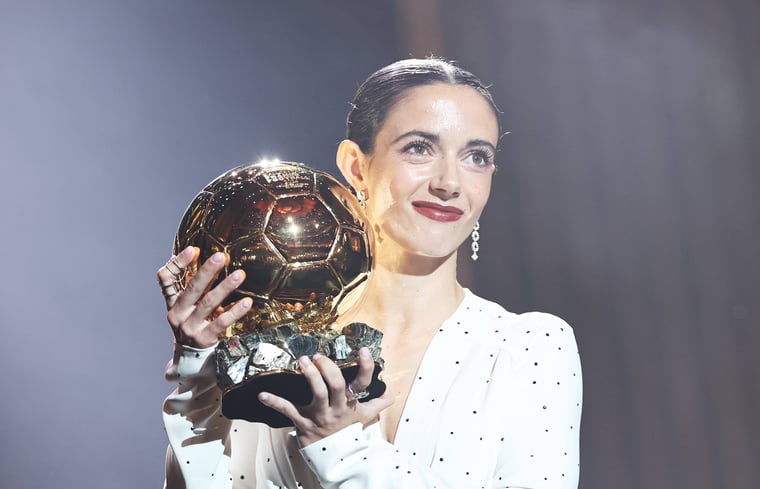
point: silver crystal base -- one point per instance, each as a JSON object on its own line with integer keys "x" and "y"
{"x": 267, "y": 361}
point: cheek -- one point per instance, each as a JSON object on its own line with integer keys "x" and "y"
{"x": 481, "y": 189}
{"x": 391, "y": 187}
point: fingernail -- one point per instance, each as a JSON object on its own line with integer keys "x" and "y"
{"x": 304, "y": 361}
{"x": 217, "y": 257}
{"x": 236, "y": 276}
{"x": 246, "y": 303}
{"x": 263, "y": 396}
{"x": 187, "y": 251}
{"x": 364, "y": 352}
{"x": 316, "y": 356}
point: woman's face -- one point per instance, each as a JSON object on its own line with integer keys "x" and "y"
{"x": 429, "y": 175}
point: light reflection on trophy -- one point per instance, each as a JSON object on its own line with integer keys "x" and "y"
{"x": 300, "y": 236}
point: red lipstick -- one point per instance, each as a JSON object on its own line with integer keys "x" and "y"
{"x": 437, "y": 212}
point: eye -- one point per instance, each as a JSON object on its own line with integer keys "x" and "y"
{"x": 418, "y": 147}
{"x": 481, "y": 158}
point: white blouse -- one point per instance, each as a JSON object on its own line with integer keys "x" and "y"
{"x": 496, "y": 404}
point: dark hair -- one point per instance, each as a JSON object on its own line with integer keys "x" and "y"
{"x": 380, "y": 92}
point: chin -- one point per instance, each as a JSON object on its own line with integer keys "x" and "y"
{"x": 437, "y": 254}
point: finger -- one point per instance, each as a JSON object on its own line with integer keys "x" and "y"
{"x": 284, "y": 407}
{"x": 332, "y": 378}
{"x": 169, "y": 275}
{"x": 192, "y": 267}
{"x": 212, "y": 299}
{"x": 232, "y": 314}
{"x": 196, "y": 287}
{"x": 366, "y": 368}
{"x": 177, "y": 264}
{"x": 170, "y": 292}
{"x": 206, "y": 333}
{"x": 379, "y": 403}
{"x": 314, "y": 378}
{"x": 369, "y": 411}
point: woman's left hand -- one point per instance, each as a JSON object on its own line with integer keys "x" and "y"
{"x": 333, "y": 406}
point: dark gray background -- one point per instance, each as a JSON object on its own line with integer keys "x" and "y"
{"x": 625, "y": 202}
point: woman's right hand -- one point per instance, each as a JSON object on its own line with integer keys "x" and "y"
{"x": 195, "y": 313}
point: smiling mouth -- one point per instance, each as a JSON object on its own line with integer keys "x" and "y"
{"x": 437, "y": 212}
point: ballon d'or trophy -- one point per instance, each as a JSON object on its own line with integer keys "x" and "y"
{"x": 301, "y": 238}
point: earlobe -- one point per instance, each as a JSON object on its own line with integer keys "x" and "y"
{"x": 349, "y": 159}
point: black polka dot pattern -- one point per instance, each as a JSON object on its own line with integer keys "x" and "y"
{"x": 496, "y": 403}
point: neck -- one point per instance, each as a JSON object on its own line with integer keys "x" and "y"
{"x": 413, "y": 293}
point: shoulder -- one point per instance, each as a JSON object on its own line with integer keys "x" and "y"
{"x": 489, "y": 310}
{"x": 541, "y": 323}
{"x": 523, "y": 330}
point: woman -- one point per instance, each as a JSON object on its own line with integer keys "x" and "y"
{"x": 477, "y": 396}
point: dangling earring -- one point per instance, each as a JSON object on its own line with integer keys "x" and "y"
{"x": 475, "y": 237}
{"x": 361, "y": 198}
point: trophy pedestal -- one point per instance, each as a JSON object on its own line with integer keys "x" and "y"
{"x": 241, "y": 401}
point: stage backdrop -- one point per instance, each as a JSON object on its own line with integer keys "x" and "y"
{"x": 626, "y": 202}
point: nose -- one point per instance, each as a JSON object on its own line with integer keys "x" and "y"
{"x": 445, "y": 183}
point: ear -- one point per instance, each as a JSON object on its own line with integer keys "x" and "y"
{"x": 350, "y": 160}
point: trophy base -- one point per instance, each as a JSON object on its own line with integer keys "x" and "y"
{"x": 242, "y": 402}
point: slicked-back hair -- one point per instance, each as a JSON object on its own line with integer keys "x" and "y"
{"x": 385, "y": 87}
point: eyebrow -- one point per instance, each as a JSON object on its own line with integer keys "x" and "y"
{"x": 435, "y": 138}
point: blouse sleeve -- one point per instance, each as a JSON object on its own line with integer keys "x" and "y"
{"x": 198, "y": 455}
{"x": 542, "y": 407}
{"x": 353, "y": 459}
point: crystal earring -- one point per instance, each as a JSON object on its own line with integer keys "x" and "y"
{"x": 475, "y": 237}
{"x": 361, "y": 198}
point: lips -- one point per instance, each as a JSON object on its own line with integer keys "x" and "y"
{"x": 437, "y": 212}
